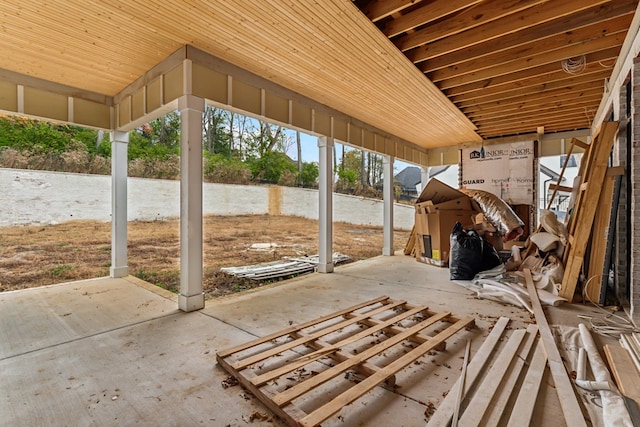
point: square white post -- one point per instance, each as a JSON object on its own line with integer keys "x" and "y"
{"x": 119, "y": 145}
{"x": 325, "y": 216}
{"x": 389, "y": 197}
{"x": 191, "y": 259}
{"x": 424, "y": 176}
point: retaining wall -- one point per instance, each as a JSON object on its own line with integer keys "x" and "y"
{"x": 39, "y": 197}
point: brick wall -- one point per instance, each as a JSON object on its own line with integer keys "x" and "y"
{"x": 634, "y": 196}
{"x": 621, "y": 240}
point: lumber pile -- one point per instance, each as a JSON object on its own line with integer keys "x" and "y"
{"x": 500, "y": 387}
{"x": 589, "y": 218}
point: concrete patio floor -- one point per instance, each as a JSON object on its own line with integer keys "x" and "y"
{"x": 106, "y": 352}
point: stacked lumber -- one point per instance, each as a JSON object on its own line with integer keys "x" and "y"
{"x": 590, "y": 215}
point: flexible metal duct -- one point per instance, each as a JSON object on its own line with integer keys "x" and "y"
{"x": 498, "y": 213}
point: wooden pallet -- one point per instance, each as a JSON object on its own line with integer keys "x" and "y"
{"x": 302, "y": 373}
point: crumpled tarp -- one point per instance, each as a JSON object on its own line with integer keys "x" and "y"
{"x": 498, "y": 213}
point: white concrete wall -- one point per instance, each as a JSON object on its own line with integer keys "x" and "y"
{"x": 37, "y": 197}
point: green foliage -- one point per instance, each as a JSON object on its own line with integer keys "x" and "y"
{"x": 218, "y": 168}
{"x": 236, "y": 150}
{"x": 308, "y": 176}
{"x": 42, "y": 137}
{"x": 60, "y": 270}
{"x": 270, "y": 166}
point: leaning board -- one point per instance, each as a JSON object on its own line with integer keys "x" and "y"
{"x": 303, "y": 373}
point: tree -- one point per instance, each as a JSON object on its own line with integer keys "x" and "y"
{"x": 215, "y": 139}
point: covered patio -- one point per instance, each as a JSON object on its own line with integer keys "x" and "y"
{"x": 390, "y": 77}
{"x": 118, "y": 352}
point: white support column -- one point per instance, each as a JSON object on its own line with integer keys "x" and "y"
{"x": 119, "y": 145}
{"x": 325, "y": 216}
{"x": 424, "y": 176}
{"x": 388, "y": 194}
{"x": 191, "y": 260}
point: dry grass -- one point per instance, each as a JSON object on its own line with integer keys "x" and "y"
{"x": 32, "y": 256}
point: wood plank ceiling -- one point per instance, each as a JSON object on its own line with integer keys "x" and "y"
{"x": 325, "y": 50}
{"x": 501, "y": 61}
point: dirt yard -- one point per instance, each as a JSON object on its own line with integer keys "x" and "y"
{"x": 32, "y": 256}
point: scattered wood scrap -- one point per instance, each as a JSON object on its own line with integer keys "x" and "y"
{"x": 284, "y": 268}
{"x": 624, "y": 371}
{"x": 494, "y": 380}
{"x": 308, "y": 366}
{"x": 568, "y": 400}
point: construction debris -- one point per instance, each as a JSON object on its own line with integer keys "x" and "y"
{"x": 291, "y": 369}
{"x": 285, "y": 268}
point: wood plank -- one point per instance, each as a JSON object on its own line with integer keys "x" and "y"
{"x": 533, "y": 73}
{"x": 562, "y": 188}
{"x": 411, "y": 243}
{"x": 526, "y": 400}
{"x": 596, "y": 279}
{"x": 466, "y": 22}
{"x": 624, "y": 371}
{"x": 460, "y": 388}
{"x": 568, "y": 400}
{"x": 480, "y": 401}
{"x": 496, "y": 410}
{"x": 318, "y": 334}
{"x": 301, "y": 388}
{"x": 290, "y": 413}
{"x": 326, "y": 349}
{"x": 445, "y": 81}
{"x": 508, "y": 24}
{"x": 287, "y": 331}
{"x": 552, "y": 28}
{"x": 425, "y": 14}
{"x": 556, "y": 186}
{"x": 585, "y": 208}
{"x": 444, "y": 413}
{"x": 378, "y": 9}
{"x": 503, "y": 91}
{"x": 536, "y": 48}
{"x": 322, "y": 413}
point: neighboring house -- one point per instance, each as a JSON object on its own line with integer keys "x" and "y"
{"x": 561, "y": 200}
{"x": 409, "y": 180}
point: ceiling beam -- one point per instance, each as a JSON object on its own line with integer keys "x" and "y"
{"x": 609, "y": 54}
{"x": 560, "y": 106}
{"x": 570, "y": 81}
{"x": 525, "y": 104}
{"x": 474, "y": 17}
{"x": 578, "y": 37}
{"x": 379, "y": 9}
{"x": 576, "y": 121}
{"x": 559, "y": 75}
{"x": 425, "y": 14}
{"x": 548, "y": 116}
{"x": 563, "y": 25}
{"x": 446, "y": 81}
{"x": 509, "y": 24}
{"x": 538, "y": 84}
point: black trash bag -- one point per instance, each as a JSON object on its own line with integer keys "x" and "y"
{"x": 490, "y": 256}
{"x": 466, "y": 253}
